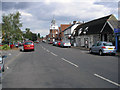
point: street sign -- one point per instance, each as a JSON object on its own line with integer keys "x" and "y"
{"x": 117, "y": 30}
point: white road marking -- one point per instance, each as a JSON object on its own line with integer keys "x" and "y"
{"x": 7, "y": 67}
{"x": 107, "y": 80}
{"x": 69, "y": 62}
{"x": 47, "y": 50}
{"x": 9, "y": 54}
{"x": 53, "y": 54}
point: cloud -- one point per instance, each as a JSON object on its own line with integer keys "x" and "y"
{"x": 14, "y": 5}
{"x": 25, "y": 14}
{"x": 38, "y": 15}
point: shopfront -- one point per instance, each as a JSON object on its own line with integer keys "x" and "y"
{"x": 117, "y": 39}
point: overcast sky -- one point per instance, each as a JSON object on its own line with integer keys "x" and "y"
{"x": 37, "y": 14}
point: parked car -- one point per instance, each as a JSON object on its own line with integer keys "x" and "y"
{"x": 28, "y": 45}
{"x": 50, "y": 42}
{"x": 1, "y": 44}
{"x": 102, "y": 48}
{"x": 11, "y": 45}
{"x": 44, "y": 41}
{"x": 37, "y": 41}
{"x": 65, "y": 44}
{"x": 16, "y": 45}
{"x": 2, "y": 64}
{"x": 55, "y": 43}
{"x": 58, "y": 43}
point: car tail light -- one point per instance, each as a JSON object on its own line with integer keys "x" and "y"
{"x": 63, "y": 43}
{"x": 104, "y": 47}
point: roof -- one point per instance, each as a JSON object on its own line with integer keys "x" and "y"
{"x": 64, "y": 26}
{"x": 95, "y": 26}
{"x": 68, "y": 27}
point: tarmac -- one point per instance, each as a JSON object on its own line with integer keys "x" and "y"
{"x": 87, "y": 49}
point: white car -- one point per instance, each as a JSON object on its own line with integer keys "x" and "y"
{"x": 65, "y": 44}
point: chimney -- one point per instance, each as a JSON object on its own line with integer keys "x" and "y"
{"x": 74, "y": 22}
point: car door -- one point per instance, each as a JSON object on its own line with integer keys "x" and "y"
{"x": 94, "y": 47}
{"x": 98, "y": 47}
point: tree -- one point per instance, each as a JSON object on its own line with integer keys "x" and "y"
{"x": 11, "y": 27}
{"x": 38, "y": 35}
{"x": 29, "y": 35}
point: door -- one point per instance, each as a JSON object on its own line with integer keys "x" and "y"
{"x": 98, "y": 47}
{"x": 105, "y": 37}
{"x": 94, "y": 47}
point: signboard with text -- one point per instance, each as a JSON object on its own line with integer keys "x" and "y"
{"x": 117, "y": 30}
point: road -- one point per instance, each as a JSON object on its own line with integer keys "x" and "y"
{"x": 54, "y": 67}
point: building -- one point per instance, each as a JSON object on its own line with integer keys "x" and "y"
{"x": 101, "y": 29}
{"x": 53, "y": 35}
{"x": 68, "y": 31}
{"x": 61, "y": 29}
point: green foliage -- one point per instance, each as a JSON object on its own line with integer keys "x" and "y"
{"x": 4, "y": 47}
{"x": 29, "y": 35}
{"x": 38, "y": 35}
{"x": 11, "y": 27}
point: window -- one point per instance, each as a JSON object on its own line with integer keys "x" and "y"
{"x": 80, "y": 30}
{"x": 107, "y": 44}
{"x": 28, "y": 43}
{"x": 86, "y": 29}
{"x": 74, "y": 32}
{"x": 99, "y": 44}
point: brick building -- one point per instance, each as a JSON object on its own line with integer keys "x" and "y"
{"x": 61, "y": 29}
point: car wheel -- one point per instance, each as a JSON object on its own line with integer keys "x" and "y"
{"x": 113, "y": 54}
{"x": 100, "y": 53}
{"x": 90, "y": 51}
{"x": 3, "y": 69}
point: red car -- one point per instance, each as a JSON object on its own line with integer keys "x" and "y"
{"x": 28, "y": 45}
{"x": 58, "y": 43}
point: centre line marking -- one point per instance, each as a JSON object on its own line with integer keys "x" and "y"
{"x": 47, "y": 50}
{"x": 107, "y": 80}
{"x": 53, "y": 54}
{"x": 69, "y": 62}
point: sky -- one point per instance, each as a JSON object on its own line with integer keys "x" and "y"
{"x": 38, "y": 14}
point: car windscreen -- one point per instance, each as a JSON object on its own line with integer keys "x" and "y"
{"x": 107, "y": 44}
{"x": 28, "y": 43}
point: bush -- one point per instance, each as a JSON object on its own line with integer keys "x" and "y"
{"x": 5, "y": 47}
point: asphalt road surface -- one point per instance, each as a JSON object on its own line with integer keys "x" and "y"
{"x": 54, "y": 67}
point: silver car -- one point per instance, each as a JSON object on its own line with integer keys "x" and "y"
{"x": 65, "y": 44}
{"x": 102, "y": 48}
{"x": 55, "y": 43}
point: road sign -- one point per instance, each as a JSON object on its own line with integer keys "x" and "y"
{"x": 117, "y": 30}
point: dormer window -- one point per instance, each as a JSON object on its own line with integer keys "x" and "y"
{"x": 80, "y": 30}
{"x": 74, "y": 32}
{"x": 86, "y": 29}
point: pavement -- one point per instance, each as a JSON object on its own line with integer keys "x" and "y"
{"x": 87, "y": 49}
{"x": 54, "y": 67}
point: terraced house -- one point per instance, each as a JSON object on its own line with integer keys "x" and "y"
{"x": 101, "y": 29}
